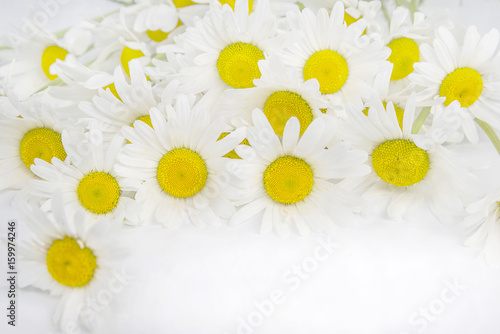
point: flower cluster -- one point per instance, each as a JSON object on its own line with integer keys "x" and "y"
{"x": 299, "y": 115}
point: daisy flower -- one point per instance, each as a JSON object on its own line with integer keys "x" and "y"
{"x": 465, "y": 71}
{"x": 408, "y": 169}
{"x": 70, "y": 260}
{"x": 279, "y": 93}
{"x": 156, "y": 19}
{"x": 177, "y": 167}
{"x": 337, "y": 56}
{"x": 87, "y": 181}
{"x": 295, "y": 181}
{"x": 123, "y": 103}
{"x": 30, "y": 69}
{"x": 36, "y": 134}
{"x": 483, "y": 221}
{"x": 406, "y": 34}
{"x": 116, "y": 43}
{"x": 227, "y": 46}
{"x": 354, "y": 10}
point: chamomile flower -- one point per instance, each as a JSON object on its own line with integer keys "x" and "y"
{"x": 89, "y": 183}
{"x": 177, "y": 167}
{"x": 227, "y": 46}
{"x": 483, "y": 221}
{"x": 154, "y": 21}
{"x": 354, "y": 10}
{"x": 70, "y": 260}
{"x": 295, "y": 181}
{"x": 36, "y": 134}
{"x": 337, "y": 56}
{"x": 280, "y": 93}
{"x": 30, "y": 69}
{"x": 408, "y": 169}
{"x": 406, "y": 34}
{"x": 465, "y": 71}
{"x": 123, "y": 105}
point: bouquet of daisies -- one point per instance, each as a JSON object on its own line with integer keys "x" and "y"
{"x": 300, "y": 115}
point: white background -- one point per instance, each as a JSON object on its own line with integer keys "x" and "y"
{"x": 382, "y": 276}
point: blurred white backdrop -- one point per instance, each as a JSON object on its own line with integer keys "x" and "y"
{"x": 378, "y": 277}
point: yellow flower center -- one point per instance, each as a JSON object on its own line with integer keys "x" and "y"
{"x": 69, "y": 264}
{"x": 282, "y": 105}
{"x": 404, "y": 54}
{"x": 399, "y": 113}
{"x": 182, "y": 173}
{"x": 329, "y": 68}
{"x": 127, "y": 55}
{"x": 349, "y": 19}
{"x": 237, "y": 64}
{"x": 112, "y": 88}
{"x": 232, "y": 154}
{"x": 288, "y": 180}
{"x": 183, "y": 3}
{"x": 146, "y": 119}
{"x": 400, "y": 162}
{"x": 463, "y": 84}
{"x": 159, "y": 35}
{"x": 231, "y": 3}
{"x": 49, "y": 57}
{"x": 98, "y": 192}
{"x": 41, "y": 143}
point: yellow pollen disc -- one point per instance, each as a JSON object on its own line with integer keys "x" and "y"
{"x": 49, "y": 57}
{"x": 146, "y": 119}
{"x": 159, "y": 35}
{"x": 69, "y": 264}
{"x": 349, "y": 19}
{"x": 41, "y": 143}
{"x": 98, "y": 192}
{"x": 183, "y": 3}
{"x": 182, "y": 173}
{"x": 404, "y": 54}
{"x": 399, "y": 113}
{"x": 400, "y": 162}
{"x": 329, "y": 68}
{"x": 463, "y": 84}
{"x": 231, "y": 3}
{"x": 237, "y": 64}
{"x": 282, "y": 105}
{"x": 127, "y": 55}
{"x": 112, "y": 88}
{"x": 233, "y": 154}
{"x": 288, "y": 180}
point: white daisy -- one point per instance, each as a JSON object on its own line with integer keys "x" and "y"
{"x": 354, "y": 10}
{"x": 227, "y": 46}
{"x": 294, "y": 182}
{"x": 280, "y": 93}
{"x": 483, "y": 221}
{"x": 89, "y": 183}
{"x": 466, "y": 71}
{"x": 35, "y": 134}
{"x": 406, "y": 34}
{"x": 408, "y": 169}
{"x": 339, "y": 57}
{"x": 70, "y": 260}
{"x": 122, "y": 103}
{"x": 177, "y": 167}
{"x": 30, "y": 68}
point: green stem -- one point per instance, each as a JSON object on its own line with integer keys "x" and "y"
{"x": 420, "y": 120}
{"x": 301, "y": 5}
{"x": 492, "y": 135}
